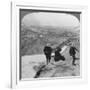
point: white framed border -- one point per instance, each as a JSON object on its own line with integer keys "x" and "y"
{"x": 15, "y": 82}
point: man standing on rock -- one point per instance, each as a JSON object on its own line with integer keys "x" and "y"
{"x": 47, "y": 52}
{"x": 72, "y": 53}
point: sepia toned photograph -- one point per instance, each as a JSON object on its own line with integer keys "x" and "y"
{"x": 49, "y": 43}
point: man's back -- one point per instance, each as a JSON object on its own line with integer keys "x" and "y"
{"x": 47, "y": 50}
{"x": 72, "y": 50}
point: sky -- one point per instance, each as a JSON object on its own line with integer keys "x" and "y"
{"x": 23, "y": 12}
{"x": 68, "y": 20}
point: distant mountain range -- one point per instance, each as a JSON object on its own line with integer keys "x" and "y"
{"x": 33, "y": 42}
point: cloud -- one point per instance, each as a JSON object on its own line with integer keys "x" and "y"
{"x": 45, "y": 19}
